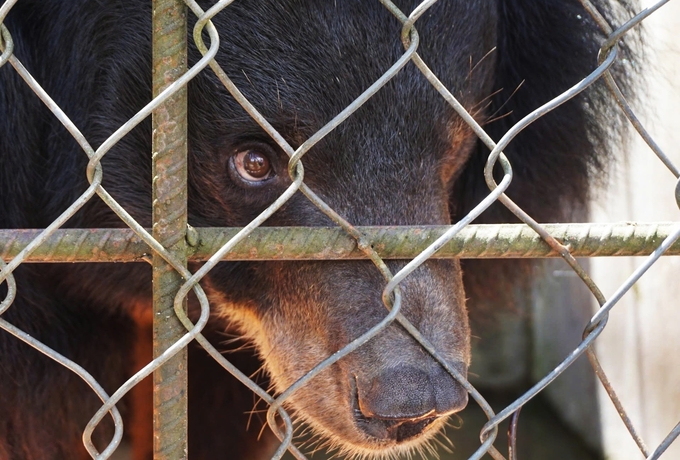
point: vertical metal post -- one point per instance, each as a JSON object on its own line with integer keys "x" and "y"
{"x": 169, "y": 226}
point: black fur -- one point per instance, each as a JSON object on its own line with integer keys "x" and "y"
{"x": 404, "y": 158}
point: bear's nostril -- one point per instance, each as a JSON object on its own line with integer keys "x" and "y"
{"x": 402, "y": 402}
{"x": 408, "y": 393}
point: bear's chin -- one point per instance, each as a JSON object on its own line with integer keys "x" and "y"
{"x": 350, "y": 435}
{"x": 355, "y": 443}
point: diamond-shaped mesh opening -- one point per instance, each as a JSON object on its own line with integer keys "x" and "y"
{"x": 210, "y": 246}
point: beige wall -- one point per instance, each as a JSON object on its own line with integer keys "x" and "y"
{"x": 640, "y": 347}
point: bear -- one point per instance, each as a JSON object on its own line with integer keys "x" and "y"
{"x": 404, "y": 158}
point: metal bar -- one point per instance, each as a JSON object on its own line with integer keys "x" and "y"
{"x": 320, "y": 243}
{"x": 169, "y": 226}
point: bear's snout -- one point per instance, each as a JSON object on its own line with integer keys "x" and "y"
{"x": 388, "y": 393}
{"x": 402, "y": 401}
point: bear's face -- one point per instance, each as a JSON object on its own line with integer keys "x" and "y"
{"x": 392, "y": 162}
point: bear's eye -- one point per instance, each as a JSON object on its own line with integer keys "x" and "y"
{"x": 252, "y": 165}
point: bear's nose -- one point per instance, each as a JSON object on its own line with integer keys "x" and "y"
{"x": 402, "y": 401}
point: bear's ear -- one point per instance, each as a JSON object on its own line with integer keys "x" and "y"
{"x": 544, "y": 47}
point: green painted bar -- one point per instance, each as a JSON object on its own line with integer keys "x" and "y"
{"x": 300, "y": 243}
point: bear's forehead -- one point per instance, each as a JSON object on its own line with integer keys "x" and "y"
{"x": 307, "y": 62}
{"x": 304, "y": 51}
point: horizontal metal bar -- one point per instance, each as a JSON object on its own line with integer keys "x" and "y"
{"x": 319, "y": 243}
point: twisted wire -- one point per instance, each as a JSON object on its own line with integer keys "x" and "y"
{"x": 556, "y": 243}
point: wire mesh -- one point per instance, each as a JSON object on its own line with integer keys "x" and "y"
{"x": 461, "y": 240}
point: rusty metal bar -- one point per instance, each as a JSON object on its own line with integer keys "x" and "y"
{"x": 319, "y": 243}
{"x": 169, "y": 226}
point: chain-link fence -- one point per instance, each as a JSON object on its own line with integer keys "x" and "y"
{"x": 172, "y": 244}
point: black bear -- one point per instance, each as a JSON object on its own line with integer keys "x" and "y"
{"x": 404, "y": 158}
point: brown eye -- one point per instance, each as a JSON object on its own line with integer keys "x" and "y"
{"x": 252, "y": 165}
